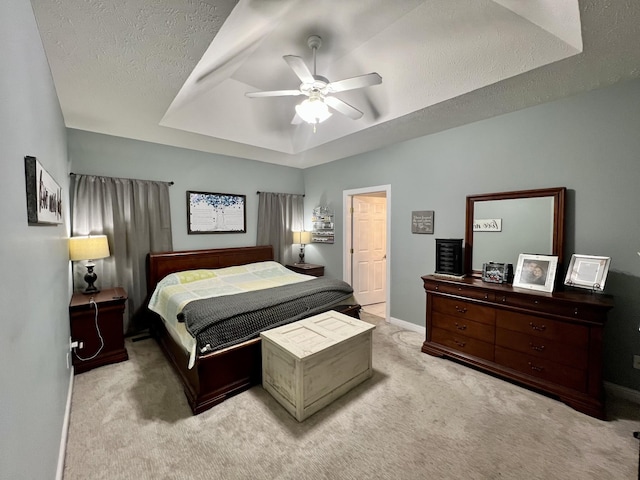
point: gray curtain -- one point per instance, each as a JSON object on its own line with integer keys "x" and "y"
{"x": 135, "y": 217}
{"x": 279, "y": 214}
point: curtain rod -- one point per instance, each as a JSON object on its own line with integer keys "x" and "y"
{"x": 259, "y": 192}
{"x": 73, "y": 175}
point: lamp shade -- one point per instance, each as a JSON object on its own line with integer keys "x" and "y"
{"x": 91, "y": 247}
{"x": 313, "y": 110}
{"x": 302, "y": 238}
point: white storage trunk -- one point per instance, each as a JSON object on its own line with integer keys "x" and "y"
{"x": 308, "y": 364}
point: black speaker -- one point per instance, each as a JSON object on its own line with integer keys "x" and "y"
{"x": 449, "y": 256}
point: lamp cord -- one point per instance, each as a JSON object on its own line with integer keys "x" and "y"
{"x": 84, "y": 359}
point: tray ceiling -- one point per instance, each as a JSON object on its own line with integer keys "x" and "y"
{"x": 176, "y": 72}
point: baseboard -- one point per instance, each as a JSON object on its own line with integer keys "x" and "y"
{"x": 622, "y": 392}
{"x": 408, "y": 325}
{"x": 65, "y": 429}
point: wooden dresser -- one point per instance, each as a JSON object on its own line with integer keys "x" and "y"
{"x": 551, "y": 342}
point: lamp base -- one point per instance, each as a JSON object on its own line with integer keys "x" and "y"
{"x": 90, "y": 277}
{"x": 301, "y": 254}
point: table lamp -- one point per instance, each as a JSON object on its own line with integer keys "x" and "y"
{"x": 301, "y": 238}
{"x": 89, "y": 248}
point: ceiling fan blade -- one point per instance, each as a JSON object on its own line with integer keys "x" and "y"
{"x": 296, "y": 120}
{"x": 343, "y": 107}
{"x": 355, "y": 82}
{"x": 299, "y": 68}
{"x": 274, "y": 93}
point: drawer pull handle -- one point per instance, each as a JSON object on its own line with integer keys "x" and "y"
{"x": 460, "y": 327}
{"x": 460, "y": 344}
{"x": 437, "y": 287}
{"x": 537, "y": 348}
{"x": 535, "y": 367}
{"x": 504, "y": 299}
{"x": 461, "y": 310}
{"x": 539, "y": 328}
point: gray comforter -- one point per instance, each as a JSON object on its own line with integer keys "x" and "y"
{"x": 220, "y": 322}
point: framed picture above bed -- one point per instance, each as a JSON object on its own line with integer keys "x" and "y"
{"x": 216, "y": 213}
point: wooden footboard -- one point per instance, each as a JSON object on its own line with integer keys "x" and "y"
{"x": 217, "y": 375}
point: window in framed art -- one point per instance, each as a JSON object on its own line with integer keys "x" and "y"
{"x": 216, "y": 213}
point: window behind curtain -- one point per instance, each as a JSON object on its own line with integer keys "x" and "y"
{"x": 279, "y": 214}
{"x": 136, "y": 218}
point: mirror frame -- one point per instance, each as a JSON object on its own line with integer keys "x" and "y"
{"x": 558, "y": 194}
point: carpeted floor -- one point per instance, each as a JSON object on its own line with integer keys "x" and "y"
{"x": 418, "y": 417}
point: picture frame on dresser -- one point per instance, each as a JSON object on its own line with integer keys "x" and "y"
{"x": 535, "y": 272}
{"x": 587, "y": 271}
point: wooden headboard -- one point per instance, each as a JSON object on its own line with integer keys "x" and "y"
{"x": 161, "y": 264}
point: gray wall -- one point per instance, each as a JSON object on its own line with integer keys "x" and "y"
{"x": 96, "y": 154}
{"x": 35, "y": 291}
{"x": 589, "y": 143}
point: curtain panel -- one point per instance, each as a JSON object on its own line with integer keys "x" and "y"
{"x": 279, "y": 214}
{"x": 136, "y": 218}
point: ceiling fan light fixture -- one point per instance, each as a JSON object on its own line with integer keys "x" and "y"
{"x": 313, "y": 110}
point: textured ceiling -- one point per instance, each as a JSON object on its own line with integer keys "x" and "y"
{"x": 176, "y": 72}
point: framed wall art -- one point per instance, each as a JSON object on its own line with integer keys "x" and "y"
{"x": 44, "y": 195}
{"x": 216, "y": 213}
{"x": 536, "y": 272}
{"x": 587, "y": 271}
{"x": 422, "y": 221}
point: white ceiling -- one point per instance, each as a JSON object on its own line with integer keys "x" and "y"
{"x": 175, "y": 72}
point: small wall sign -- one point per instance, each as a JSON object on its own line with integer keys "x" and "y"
{"x": 422, "y": 221}
{"x": 487, "y": 225}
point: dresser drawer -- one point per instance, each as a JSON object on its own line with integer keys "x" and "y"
{"x": 542, "y": 348}
{"x": 462, "y": 343}
{"x": 465, "y": 326}
{"x": 568, "y": 333}
{"x": 569, "y": 377}
{"x": 463, "y": 290}
{"x": 552, "y": 306}
{"x": 462, "y": 309}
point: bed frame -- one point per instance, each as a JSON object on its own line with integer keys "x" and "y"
{"x": 217, "y": 375}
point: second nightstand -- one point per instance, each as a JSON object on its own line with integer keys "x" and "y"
{"x": 108, "y": 305}
{"x": 307, "y": 269}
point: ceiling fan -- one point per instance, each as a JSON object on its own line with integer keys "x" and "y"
{"x": 319, "y": 90}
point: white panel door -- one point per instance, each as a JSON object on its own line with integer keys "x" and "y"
{"x": 369, "y": 249}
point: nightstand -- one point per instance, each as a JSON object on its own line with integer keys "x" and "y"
{"x": 307, "y": 269}
{"x": 110, "y": 304}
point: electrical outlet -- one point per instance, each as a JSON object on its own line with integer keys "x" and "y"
{"x": 636, "y": 361}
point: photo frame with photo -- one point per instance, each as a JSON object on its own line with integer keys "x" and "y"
{"x": 535, "y": 272}
{"x": 587, "y": 271}
{"x": 494, "y": 272}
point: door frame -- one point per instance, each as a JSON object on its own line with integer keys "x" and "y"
{"x": 347, "y": 228}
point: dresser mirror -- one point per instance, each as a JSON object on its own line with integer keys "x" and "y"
{"x": 501, "y": 226}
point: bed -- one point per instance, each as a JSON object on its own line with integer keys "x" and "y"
{"x": 210, "y": 377}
